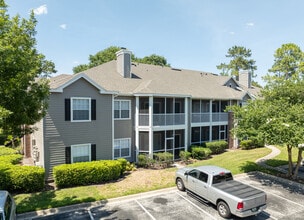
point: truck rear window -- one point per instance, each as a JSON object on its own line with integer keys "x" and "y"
{"x": 222, "y": 177}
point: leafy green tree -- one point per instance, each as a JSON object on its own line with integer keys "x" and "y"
{"x": 23, "y": 73}
{"x": 239, "y": 61}
{"x": 109, "y": 54}
{"x": 154, "y": 60}
{"x": 289, "y": 60}
{"x": 80, "y": 68}
{"x": 278, "y": 118}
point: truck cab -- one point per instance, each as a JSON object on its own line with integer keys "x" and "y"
{"x": 7, "y": 206}
{"x": 216, "y": 185}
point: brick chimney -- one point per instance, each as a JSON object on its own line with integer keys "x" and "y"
{"x": 245, "y": 78}
{"x": 124, "y": 62}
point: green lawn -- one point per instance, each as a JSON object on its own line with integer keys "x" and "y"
{"x": 282, "y": 158}
{"x": 238, "y": 161}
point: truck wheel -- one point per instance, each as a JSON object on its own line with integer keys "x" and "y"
{"x": 180, "y": 184}
{"x": 223, "y": 210}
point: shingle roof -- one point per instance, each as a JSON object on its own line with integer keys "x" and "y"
{"x": 158, "y": 80}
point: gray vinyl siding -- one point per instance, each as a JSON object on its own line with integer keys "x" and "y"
{"x": 125, "y": 128}
{"x": 60, "y": 133}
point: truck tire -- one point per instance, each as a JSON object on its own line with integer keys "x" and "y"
{"x": 223, "y": 209}
{"x": 180, "y": 184}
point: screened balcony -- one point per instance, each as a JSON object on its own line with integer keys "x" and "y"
{"x": 207, "y": 117}
{"x": 208, "y": 111}
{"x": 166, "y": 111}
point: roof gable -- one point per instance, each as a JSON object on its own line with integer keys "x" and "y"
{"x": 67, "y": 81}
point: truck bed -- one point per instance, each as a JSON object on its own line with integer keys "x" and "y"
{"x": 238, "y": 189}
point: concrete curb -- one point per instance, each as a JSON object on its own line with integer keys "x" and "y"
{"x": 87, "y": 205}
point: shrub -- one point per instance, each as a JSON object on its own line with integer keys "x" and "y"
{"x": 84, "y": 173}
{"x": 124, "y": 164}
{"x": 200, "y": 153}
{"x": 144, "y": 160}
{"x": 5, "y": 169}
{"x": 27, "y": 178}
{"x": 185, "y": 155}
{"x": 217, "y": 147}
{"x": 11, "y": 159}
{"x": 164, "y": 159}
{"x": 7, "y": 151}
{"x": 21, "y": 178}
{"x": 246, "y": 144}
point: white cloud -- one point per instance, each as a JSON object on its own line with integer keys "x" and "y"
{"x": 250, "y": 24}
{"x": 63, "y": 26}
{"x": 231, "y": 32}
{"x": 41, "y": 10}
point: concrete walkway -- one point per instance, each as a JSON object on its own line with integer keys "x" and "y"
{"x": 283, "y": 169}
{"x": 274, "y": 152}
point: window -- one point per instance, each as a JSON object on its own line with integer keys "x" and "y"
{"x": 203, "y": 177}
{"x": 193, "y": 173}
{"x": 80, "y": 153}
{"x": 122, "y": 147}
{"x": 8, "y": 207}
{"x": 81, "y": 109}
{"x": 122, "y": 109}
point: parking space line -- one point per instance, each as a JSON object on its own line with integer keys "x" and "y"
{"x": 91, "y": 216}
{"x": 268, "y": 215}
{"x": 196, "y": 206}
{"x": 286, "y": 199}
{"x": 146, "y": 211}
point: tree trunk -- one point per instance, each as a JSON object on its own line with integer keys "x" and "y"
{"x": 290, "y": 165}
{"x": 295, "y": 175}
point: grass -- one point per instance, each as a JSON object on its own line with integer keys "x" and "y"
{"x": 282, "y": 158}
{"x": 142, "y": 180}
{"x": 237, "y": 161}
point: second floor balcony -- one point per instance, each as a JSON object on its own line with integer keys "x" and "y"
{"x": 209, "y": 117}
{"x": 162, "y": 119}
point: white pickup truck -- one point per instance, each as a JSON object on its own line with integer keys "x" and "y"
{"x": 216, "y": 185}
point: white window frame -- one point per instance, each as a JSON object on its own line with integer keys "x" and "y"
{"x": 73, "y": 149}
{"x": 119, "y": 147}
{"x": 129, "y": 105}
{"x": 82, "y": 98}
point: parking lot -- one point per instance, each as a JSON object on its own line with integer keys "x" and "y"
{"x": 285, "y": 200}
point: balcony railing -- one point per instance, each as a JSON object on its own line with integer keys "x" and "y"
{"x": 162, "y": 119}
{"x": 205, "y": 117}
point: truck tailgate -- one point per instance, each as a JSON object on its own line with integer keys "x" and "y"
{"x": 252, "y": 197}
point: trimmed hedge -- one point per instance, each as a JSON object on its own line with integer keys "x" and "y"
{"x": 144, "y": 160}
{"x": 164, "y": 159}
{"x": 217, "y": 147}
{"x": 11, "y": 159}
{"x": 7, "y": 151}
{"x": 16, "y": 178}
{"x": 185, "y": 155}
{"x": 27, "y": 178}
{"x": 85, "y": 173}
{"x": 247, "y": 144}
{"x": 200, "y": 153}
{"x": 21, "y": 178}
{"x": 250, "y": 144}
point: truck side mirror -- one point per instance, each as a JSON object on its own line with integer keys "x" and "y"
{"x": 186, "y": 173}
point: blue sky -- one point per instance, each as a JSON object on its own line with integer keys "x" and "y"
{"x": 190, "y": 34}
